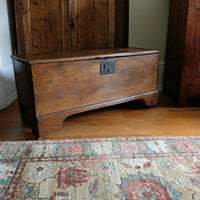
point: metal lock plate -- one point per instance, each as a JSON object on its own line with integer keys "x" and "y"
{"x": 107, "y": 67}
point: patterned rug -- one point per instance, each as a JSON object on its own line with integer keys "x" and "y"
{"x": 103, "y": 169}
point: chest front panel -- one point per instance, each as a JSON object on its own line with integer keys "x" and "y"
{"x": 66, "y": 85}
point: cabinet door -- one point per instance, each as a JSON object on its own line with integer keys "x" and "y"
{"x": 50, "y": 26}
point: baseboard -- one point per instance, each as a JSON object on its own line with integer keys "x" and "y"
{"x": 8, "y": 81}
{"x": 161, "y": 74}
{"x": 11, "y": 98}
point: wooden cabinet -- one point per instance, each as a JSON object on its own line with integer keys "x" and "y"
{"x": 52, "y": 87}
{"x": 53, "y": 26}
{"x": 182, "y": 71}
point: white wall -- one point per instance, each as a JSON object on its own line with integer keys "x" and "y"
{"x": 7, "y": 81}
{"x": 148, "y": 24}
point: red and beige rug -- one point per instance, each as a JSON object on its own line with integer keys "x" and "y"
{"x": 101, "y": 169}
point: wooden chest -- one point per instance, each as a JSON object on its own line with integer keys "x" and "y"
{"x": 52, "y": 87}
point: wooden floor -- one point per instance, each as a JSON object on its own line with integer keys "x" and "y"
{"x": 125, "y": 120}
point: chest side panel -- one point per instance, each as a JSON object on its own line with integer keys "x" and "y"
{"x": 67, "y": 85}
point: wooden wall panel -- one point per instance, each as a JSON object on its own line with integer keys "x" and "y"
{"x": 46, "y": 26}
{"x": 23, "y": 27}
{"x": 96, "y": 24}
{"x": 50, "y": 26}
{"x": 121, "y": 23}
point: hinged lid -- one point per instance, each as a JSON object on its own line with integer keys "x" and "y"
{"x": 77, "y": 55}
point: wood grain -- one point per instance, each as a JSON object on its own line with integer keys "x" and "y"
{"x": 51, "y": 122}
{"x": 121, "y": 23}
{"x": 23, "y": 26}
{"x": 194, "y": 65}
{"x": 46, "y": 26}
{"x": 96, "y": 24}
{"x": 49, "y": 26}
{"x": 78, "y": 55}
{"x": 182, "y": 69}
{"x": 62, "y": 86}
{"x": 24, "y": 85}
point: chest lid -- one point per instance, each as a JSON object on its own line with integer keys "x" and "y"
{"x": 78, "y": 55}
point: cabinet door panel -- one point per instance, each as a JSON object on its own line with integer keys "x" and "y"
{"x": 195, "y": 55}
{"x": 46, "y": 23}
{"x": 50, "y": 26}
{"x": 96, "y": 22}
